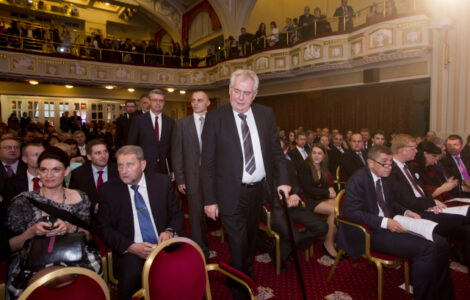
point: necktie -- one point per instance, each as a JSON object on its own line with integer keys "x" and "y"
{"x": 201, "y": 126}
{"x": 157, "y": 131}
{"x": 36, "y": 183}
{"x": 462, "y": 168}
{"x": 143, "y": 214}
{"x": 359, "y": 153}
{"x": 341, "y": 150}
{"x": 413, "y": 182}
{"x": 9, "y": 171}
{"x": 100, "y": 180}
{"x": 381, "y": 200}
{"x": 304, "y": 154}
{"x": 250, "y": 164}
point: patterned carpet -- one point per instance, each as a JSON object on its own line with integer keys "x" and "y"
{"x": 348, "y": 282}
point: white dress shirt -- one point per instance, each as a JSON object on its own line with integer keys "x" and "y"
{"x": 143, "y": 191}
{"x": 30, "y": 181}
{"x": 197, "y": 122}
{"x": 259, "y": 172}
{"x": 402, "y": 166}
{"x": 82, "y": 150}
{"x": 152, "y": 117}
{"x": 302, "y": 152}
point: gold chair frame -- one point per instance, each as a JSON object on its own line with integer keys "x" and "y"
{"x": 144, "y": 291}
{"x": 379, "y": 263}
{"x": 62, "y": 272}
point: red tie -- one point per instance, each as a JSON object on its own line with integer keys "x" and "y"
{"x": 36, "y": 185}
{"x": 100, "y": 180}
{"x": 157, "y": 129}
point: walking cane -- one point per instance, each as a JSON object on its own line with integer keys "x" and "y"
{"x": 292, "y": 241}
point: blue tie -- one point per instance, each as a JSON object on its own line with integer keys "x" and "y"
{"x": 145, "y": 222}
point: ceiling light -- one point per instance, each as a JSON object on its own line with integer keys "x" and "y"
{"x": 69, "y": 86}
{"x": 33, "y": 82}
{"x": 182, "y": 92}
{"x": 109, "y": 87}
{"x": 171, "y": 90}
{"x": 131, "y": 90}
{"x": 107, "y": 3}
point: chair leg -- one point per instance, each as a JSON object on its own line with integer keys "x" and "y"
{"x": 307, "y": 256}
{"x": 278, "y": 252}
{"x": 379, "y": 280}
{"x": 222, "y": 234}
{"x": 407, "y": 276}
{"x": 105, "y": 268}
{"x": 312, "y": 249}
{"x": 333, "y": 268}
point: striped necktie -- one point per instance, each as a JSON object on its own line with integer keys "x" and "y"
{"x": 250, "y": 164}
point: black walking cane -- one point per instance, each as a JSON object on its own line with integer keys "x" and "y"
{"x": 294, "y": 247}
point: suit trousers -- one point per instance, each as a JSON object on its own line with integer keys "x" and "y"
{"x": 430, "y": 261}
{"x": 197, "y": 220}
{"x": 242, "y": 228}
{"x": 315, "y": 228}
{"x": 129, "y": 274}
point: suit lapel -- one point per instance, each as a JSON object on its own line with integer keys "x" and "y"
{"x": 232, "y": 128}
{"x": 150, "y": 125}
{"x": 91, "y": 179}
{"x": 372, "y": 191}
{"x": 192, "y": 131}
{"x": 154, "y": 195}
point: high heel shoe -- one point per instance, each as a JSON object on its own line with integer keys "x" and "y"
{"x": 326, "y": 252}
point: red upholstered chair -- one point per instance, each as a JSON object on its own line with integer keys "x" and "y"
{"x": 87, "y": 285}
{"x": 379, "y": 259}
{"x": 179, "y": 272}
{"x": 266, "y": 227}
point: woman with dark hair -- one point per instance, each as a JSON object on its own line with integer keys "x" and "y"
{"x": 274, "y": 37}
{"x": 260, "y": 37}
{"x": 53, "y": 139}
{"x": 431, "y": 177}
{"x": 13, "y": 122}
{"x": 291, "y": 139}
{"x": 53, "y": 212}
{"x": 320, "y": 195}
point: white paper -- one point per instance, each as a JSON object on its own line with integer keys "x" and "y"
{"x": 419, "y": 227}
{"x": 465, "y": 200}
{"x": 456, "y": 210}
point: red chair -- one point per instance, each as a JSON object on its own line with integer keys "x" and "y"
{"x": 379, "y": 259}
{"x": 87, "y": 285}
{"x": 266, "y": 227}
{"x": 176, "y": 270}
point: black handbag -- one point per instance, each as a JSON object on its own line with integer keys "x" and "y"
{"x": 69, "y": 248}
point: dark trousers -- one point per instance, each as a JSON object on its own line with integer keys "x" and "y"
{"x": 430, "y": 262}
{"x": 315, "y": 227}
{"x": 197, "y": 220}
{"x": 241, "y": 227}
{"x": 129, "y": 274}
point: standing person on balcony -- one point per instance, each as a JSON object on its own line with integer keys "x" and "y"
{"x": 273, "y": 39}
{"x": 305, "y": 21}
{"x": 344, "y": 14}
{"x": 260, "y": 37}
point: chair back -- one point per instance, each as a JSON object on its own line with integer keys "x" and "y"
{"x": 87, "y": 285}
{"x": 339, "y": 202}
{"x": 176, "y": 269}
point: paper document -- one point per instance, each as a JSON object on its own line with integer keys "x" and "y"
{"x": 464, "y": 200}
{"x": 456, "y": 210}
{"x": 419, "y": 227}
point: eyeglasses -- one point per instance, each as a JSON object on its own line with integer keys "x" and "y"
{"x": 11, "y": 147}
{"x": 389, "y": 165}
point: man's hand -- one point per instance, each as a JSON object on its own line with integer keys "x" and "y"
{"x": 172, "y": 176}
{"x": 412, "y": 214}
{"x": 293, "y": 200}
{"x": 285, "y": 188}
{"x": 394, "y": 226}
{"x": 165, "y": 235}
{"x": 142, "y": 250}
{"x": 212, "y": 211}
{"x": 182, "y": 188}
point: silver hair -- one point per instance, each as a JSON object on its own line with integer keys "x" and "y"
{"x": 156, "y": 91}
{"x": 245, "y": 73}
{"x": 131, "y": 149}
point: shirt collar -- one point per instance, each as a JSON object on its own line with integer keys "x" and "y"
{"x": 399, "y": 163}
{"x": 154, "y": 115}
{"x": 375, "y": 177}
{"x": 142, "y": 182}
{"x": 248, "y": 113}
{"x": 197, "y": 116}
{"x": 13, "y": 165}
{"x": 95, "y": 170}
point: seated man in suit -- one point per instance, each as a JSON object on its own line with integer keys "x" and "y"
{"x": 378, "y": 138}
{"x": 80, "y": 137}
{"x": 24, "y": 181}
{"x": 366, "y": 141}
{"x": 89, "y": 177}
{"x": 10, "y": 162}
{"x": 335, "y": 153}
{"x": 457, "y": 165}
{"x": 136, "y": 212}
{"x": 299, "y": 153}
{"x": 370, "y": 200}
{"x": 354, "y": 158}
{"x": 412, "y": 195}
{"x": 152, "y": 131}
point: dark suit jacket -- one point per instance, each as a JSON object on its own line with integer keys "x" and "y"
{"x": 14, "y": 185}
{"x": 349, "y": 21}
{"x": 142, "y": 134}
{"x": 360, "y": 205}
{"x": 185, "y": 154}
{"x": 222, "y": 157}
{"x": 123, "y": 124}
{"x": 313, "y": 190}
{"x": 334, "y": 159}
{"x": 296, "y": 156}
{"x": 115, "y": 222}
{"x": 452, "y": 169}
{"x": 465, "y": 151}
{"x": 82, "y": 179}
{"x": 350, "y": 162}
{"x": 405, "y": 193}
{"x": 3, "y": 173}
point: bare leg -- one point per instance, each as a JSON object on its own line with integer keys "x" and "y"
{"x": 327, "y": 207}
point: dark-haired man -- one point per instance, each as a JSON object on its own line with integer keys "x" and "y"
{"x": 123, "y": 123}
{"x": 370, "y": 200}
{"x": 89, "y": 177}
{"x": 354, "y": 158}
{"x": 299, "y": 153}
{"x": 457, "y": 165}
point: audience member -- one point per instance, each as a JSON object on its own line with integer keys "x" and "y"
{"x": 378, "y": 138}
{"x": 260, "y": 37}
{"x": 291, "y": 139}
{"x": 366, "y": 142}
{"x": 79, "y": 136}
{"x": 306, "y": 23}
{"x": 136, "y": 212}
{"x": 457, "y": 165}
{"x": 290, "y": 30}
{"x": 466, "y": 149}
{"x": 335, "y": 153}
{"x": 10, "y": 162}
{"x": 322, "y": 26}
{"x": 354, "y": 158}
{"x": 369, "y": 200}
{"x": 273, "y": 39}
{"x": 244, "y": 40}
{"x": 65, "y": 122}
{"x": 123, "y": 123}
{"x": 25, "y": 120}
{"x": 299, "y": 153}
{"x": 144, "y": 104}
{"x": 345, "y": 14}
